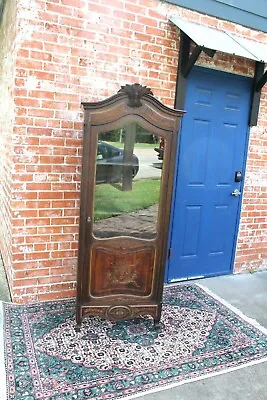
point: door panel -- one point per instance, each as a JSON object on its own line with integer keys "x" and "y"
{"x": 212, "y": 148}
{"x": 192, "y": 230}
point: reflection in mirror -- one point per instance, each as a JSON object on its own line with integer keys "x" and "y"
{"x": 127, "y": 186}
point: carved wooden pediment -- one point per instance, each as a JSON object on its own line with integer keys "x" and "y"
{"x": 135, "y": 92}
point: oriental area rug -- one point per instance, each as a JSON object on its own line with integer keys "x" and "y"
{"x": 199, "y": 336}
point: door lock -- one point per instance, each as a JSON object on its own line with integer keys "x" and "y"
{"x": 236, "y": 193}
{"x": 238, "y": 176}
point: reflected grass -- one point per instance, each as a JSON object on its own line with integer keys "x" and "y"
{"x": 111, "y": 200}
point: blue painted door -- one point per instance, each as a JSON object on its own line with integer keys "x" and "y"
{"x": 212, "y": 149}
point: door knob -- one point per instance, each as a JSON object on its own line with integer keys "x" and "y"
{"x": 236, "y": 193}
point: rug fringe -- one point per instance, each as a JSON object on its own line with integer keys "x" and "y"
{"x": 251, "y": 321}
{"x": 2, "y": 355}
{"x": 198, "y": 378}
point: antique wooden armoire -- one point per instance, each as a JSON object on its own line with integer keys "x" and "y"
{"x": 125, "y": 205}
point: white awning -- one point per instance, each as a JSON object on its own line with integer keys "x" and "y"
{"x": 214, "y": 39}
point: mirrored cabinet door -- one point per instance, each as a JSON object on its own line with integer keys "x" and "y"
{"x": 127, "y": 183}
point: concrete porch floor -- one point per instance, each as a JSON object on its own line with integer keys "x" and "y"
{"x": 4, "y": 289}
{"x": 248, "y": 293}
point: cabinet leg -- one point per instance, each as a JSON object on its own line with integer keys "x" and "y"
{"x": 78, "y": 319}
{"x": 157, "y": 317}
{"x": 156, "y": 323}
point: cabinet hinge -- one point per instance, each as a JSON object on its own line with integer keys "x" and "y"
{"x": 170, "y": 253}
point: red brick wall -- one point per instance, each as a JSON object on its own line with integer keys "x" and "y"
{"x": 75, "y": 50}
{"x": 7, "y": 69}
{"x": 251, "y": 253}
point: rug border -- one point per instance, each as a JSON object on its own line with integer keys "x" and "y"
{"x": 238, "y": 312}
{"x": 199, "y": 378}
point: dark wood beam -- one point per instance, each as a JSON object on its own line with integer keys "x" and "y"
{"x": 255, "y": 104}
{"x": 191, "y": 61}
{"x": 184, "y": 50}
{"x": 209, "y": 52}
{"x": 261, "y": 82}
{"x": 185, "y": 65}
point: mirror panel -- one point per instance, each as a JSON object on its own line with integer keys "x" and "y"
{"x": 127, "y": 184}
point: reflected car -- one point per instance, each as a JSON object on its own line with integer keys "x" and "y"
{"x": 110, "y": 163}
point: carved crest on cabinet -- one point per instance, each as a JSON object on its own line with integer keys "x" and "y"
{"x": 135, "y": 93}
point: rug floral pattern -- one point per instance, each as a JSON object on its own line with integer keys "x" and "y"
{"x": 46, "y": 359}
